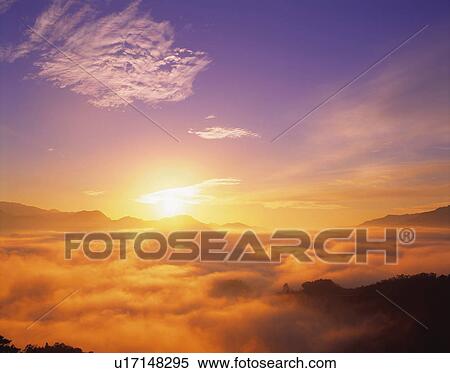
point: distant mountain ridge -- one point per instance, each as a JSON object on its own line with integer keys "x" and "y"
{"x": 17, "y": 216}
{"x": 435, "y": 218}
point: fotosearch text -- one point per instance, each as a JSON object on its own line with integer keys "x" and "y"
{"x": 248, "y": 247}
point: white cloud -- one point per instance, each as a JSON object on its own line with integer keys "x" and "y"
{"x": 130, "y": 52}
{"x": 212, "y": 116}
{"x": 94, "y": 193}
{"x": 190, "y": 194}
{"x": 216, "y": 133}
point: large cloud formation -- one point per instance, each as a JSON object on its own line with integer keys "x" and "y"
{"x": 132, "y": 54}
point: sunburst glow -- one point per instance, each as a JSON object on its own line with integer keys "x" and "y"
{"x": 175, "y": 201}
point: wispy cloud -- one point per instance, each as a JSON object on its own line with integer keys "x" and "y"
{"x": 5, "y": 5}
{"x": 129, "y": 51}
{"x": 217, "y": 133}
{"x": 94, "y": 193}
{"x": 305, "y": 205}
{"x": 190, "y": 194}
{"x": 212, "y": 116}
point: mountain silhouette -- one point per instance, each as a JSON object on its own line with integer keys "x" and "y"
{"x": 406, "y": 313}
{"x": 436, "y": 218}
{"x": 19, "y": 217}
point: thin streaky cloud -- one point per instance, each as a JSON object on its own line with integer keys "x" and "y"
{"x": 212, "y": 116}
{"x": 303, "y": 205}
{"x": 189, "y": 194}
{"x": 94, "y": 193}
{"x": 348, "y": 84}
{"x": 218, "y": 133}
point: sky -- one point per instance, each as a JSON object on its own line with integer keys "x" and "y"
{"x": 158, "y": 108}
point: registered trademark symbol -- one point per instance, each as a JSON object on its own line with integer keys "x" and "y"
{"x": 406, "y": 236}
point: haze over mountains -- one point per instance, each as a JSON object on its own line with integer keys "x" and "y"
{"x": 17, "y": 216}
{"x": 435, "y": 218}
